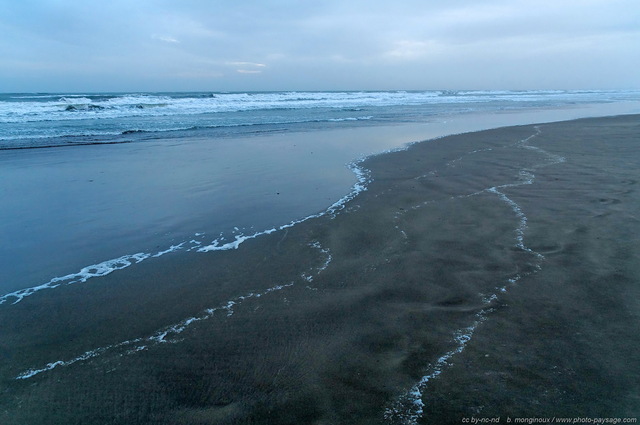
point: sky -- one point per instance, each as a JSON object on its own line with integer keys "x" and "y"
{"x": 241, "y": 45}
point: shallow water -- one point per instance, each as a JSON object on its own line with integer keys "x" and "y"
{"x": 67, "y": 208}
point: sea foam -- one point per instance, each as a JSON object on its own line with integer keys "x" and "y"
{"x": 362, "y": 179}
{"x": 169, "y": 333}
{"x": 95, "y": 270}
{"x": 75, "y": 118}
{"x": 409, "y": 407}
{"x": 109, "y": 266}
{"x": 160, "y": 337}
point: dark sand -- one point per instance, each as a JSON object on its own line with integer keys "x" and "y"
{"x": 542, "y": 272}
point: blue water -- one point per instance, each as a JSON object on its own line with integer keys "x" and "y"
{"x": 128, "y": 177}
{"x": 58, "y": 119}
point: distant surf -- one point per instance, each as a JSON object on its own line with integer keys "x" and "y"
{"x": 58, "y": 119}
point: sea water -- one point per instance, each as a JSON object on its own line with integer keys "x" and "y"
{"x": 93, "y": 183}
{"x": 59, "y": 119}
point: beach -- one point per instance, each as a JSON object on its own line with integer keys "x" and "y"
{"x": 487, "y": 274}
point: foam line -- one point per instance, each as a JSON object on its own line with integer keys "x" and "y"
{"x": 172, "y": 248}
{"x": 409, "y": 407}
{"x": 322, "y": 267}
{"x": 215, "y": 245}
{"x": 50, "y": 366}
{"x": 95, "y": 270}
{"x": 518, "y": 212}
{"x": 159, "y": 337}
{"x": 165, "y": 334}
{"x": 362, "y": 179}
{"x": 109, "y": 266}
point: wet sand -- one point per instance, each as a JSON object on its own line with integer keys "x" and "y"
{"x": 486, "y": 274}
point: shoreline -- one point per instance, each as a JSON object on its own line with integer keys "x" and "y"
{"x": 157, "y": 231}
{"x": 333, "y": 318}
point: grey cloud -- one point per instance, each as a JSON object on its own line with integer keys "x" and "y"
{"x": 169, "y": 45}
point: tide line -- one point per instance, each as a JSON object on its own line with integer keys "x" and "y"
{"x": 97, "y": 270}
{"x": 166, "y": 334}
{"x": 362, "y": 180}
{"x": 109, "y": 266}
{"x": 409, "y": 407}
{"x": 160, "y": 337}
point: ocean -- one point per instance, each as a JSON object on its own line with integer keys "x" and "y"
{"x": 60, "y": 119}
{"x": 95, "y": 182}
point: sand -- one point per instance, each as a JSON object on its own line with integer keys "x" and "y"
{"x": 490, "y": 274}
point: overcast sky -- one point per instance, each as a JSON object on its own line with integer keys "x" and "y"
{"x": 177, "y": 45}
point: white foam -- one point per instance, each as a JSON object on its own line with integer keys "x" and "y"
{"x": 327, "y": 260}
{"x": 409, "y": 407}
{"x": 172, "y": 248}
{"x": 163, "y": 335}
{"x": 50, "y": 366}
{"x": 216, "y": 246}
{"x": 518, "y": 211}
{"x": 553, "y": 158}
{"x": 160, "y": 337}
{"x": 368, "y": 117}
{"x": 95, "y": 270}
{"x": 362, "y": 179}
{"x": 453, "y": 162}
